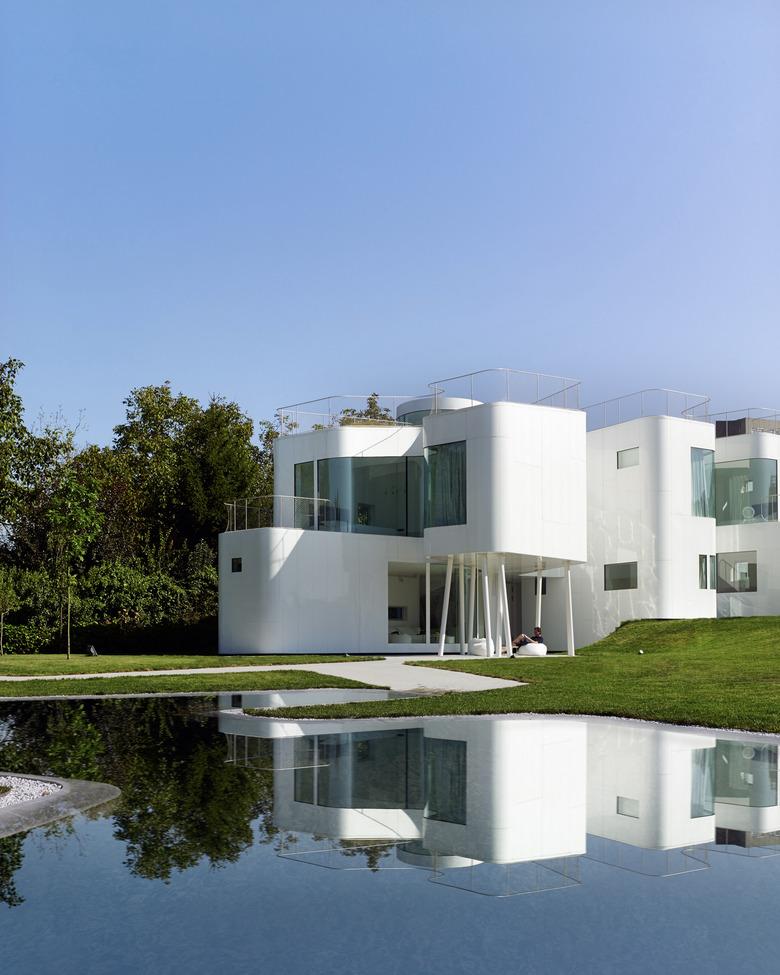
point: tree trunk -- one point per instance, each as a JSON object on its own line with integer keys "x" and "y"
{"x": 2, "y": 622}
{"x": 68, "y": 616}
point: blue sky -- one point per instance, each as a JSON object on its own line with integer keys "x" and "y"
{"x": 279, "y": 200}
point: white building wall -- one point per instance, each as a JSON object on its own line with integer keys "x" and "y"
{"x": 525, "y": 481}
{"x": 307, "y": 591}
{"x": 639, "y": 514}
{"x": 761, "y": 537}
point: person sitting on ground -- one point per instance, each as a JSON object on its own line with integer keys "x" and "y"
{"x": 523, "y": 640}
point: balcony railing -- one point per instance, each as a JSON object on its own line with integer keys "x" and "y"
{"x": 508, "y": 386}
{"x": 367, "y": 409}
{"x": 647, "y": 402}
{"x": 755, "y": 419}
{"x": 274, "y": 511}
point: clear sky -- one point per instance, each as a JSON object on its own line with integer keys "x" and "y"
{"x": 279, "y": 200}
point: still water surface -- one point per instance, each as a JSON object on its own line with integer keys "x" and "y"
{"x": 422, "y": 845}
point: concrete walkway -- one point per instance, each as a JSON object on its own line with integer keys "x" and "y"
{"x": 391, "y": 672}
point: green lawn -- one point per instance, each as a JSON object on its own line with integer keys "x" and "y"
{"x": 42, "y": 664}
{"x": 258, "y": 681}
{"x": 719, "y": 673}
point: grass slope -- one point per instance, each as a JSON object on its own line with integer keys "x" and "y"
{"x": 258, "y": 681}
{"x": 718, "y": 673}
{"x": 42, "y": 664}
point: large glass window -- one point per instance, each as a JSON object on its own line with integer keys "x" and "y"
{"x": 737, "y": 572}
{"x": 445, "y": 496}
{"x": 620, "y": 575}
{"x": 445, "y": 780}
{"x": 702, "y": 482}
{"x": 371, "y": 495}
{"x": 304, "y": 493}
{"x": 746, "y": 491}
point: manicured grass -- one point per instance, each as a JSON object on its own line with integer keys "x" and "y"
{"x": 718, "y": 673}
{"x": 188, "y": 683}
{"x": 42, "y": 664}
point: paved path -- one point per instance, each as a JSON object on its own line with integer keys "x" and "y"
{"x": 391, "y": 672}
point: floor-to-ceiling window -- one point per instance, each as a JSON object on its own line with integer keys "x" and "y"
{"x": 371, "y": 495}
{"x": 445, "y": 480}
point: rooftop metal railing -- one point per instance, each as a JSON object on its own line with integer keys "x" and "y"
{"x": 274, "y": 511}
{"x": 755, "y": 419}
{"x": 647, "y": 402}
{"x": 339, "y": 410}
{"x": 508, "y": 385}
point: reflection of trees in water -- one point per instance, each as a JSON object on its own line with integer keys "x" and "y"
{"x": 180, "y": 802}
{"x": 374, "y": 854}
{"x": 10, "y": 860}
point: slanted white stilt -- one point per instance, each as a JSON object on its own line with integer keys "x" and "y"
{"x": 569, "y": 613}
{"x": 446, "y": 605}
{"x": 462, "y": 602}
{"x": 472, "y": 599}
{"x": 539, "y": 586}
{"x": 496, "y": 615}
{"x": 486, "y": 606}
{"x": 507, "y": 624}
{"x": 427, "y": 602}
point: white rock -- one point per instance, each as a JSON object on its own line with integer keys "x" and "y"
{"x": 24, "y": 790}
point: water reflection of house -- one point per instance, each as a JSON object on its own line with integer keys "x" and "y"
{"x": 650, "y": 787}
{"x": 498, "y": 790}
{"x": 747, "y": 806}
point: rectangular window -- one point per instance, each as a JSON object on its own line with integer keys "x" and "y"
{"x": 737, "y": 572}
{"x": 628, "y": 458}
{"x": 703, "y": 580}
{"x": 304, "y": 505}
{"x": 713, "y": 572}
{"x": 445, "y": 481}
{"x": 620, "y": 575}
{"x": 236, "y": 565}
{"x": 702, "y": 782}
{"x": 445, "y": 780}
{"x": 746, "y": 491}
{"x": 628, "y": 807}
{"x": 702, "y": 482}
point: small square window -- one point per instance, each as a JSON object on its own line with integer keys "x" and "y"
{"x": 628, "y": 807}
{"x": 620, "y": 575}
{"x": 628, "y": 458}
{"x": 236, "y": 565}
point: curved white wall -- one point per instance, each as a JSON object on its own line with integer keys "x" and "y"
{"x": 525, "y": 481}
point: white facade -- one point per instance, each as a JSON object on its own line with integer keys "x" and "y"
{"x": 483, "y": 518}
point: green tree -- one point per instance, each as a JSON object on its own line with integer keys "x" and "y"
{"x": 372, "y": 412}
{"x": 74, "y": 522}
{"x": 218, "y": 462}
{"x": 9, "y": 599}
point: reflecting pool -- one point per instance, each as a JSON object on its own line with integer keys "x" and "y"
{"x": 447, "y": 845}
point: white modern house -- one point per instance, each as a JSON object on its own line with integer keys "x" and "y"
{"x": 453, "y": 521}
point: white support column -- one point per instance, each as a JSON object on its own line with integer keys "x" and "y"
{"x": 507, "y": 624}
{"x": 500, "y": 614}
{"x": 496, "y": 615}
{"x": 427, "y": 602}
{"x": 462, "y": 603}
{"x": 472, "y": 599}
{"x": 486, "y": 606}
{"x": 539, "y": 587}
{"x": 445, "y": 605}
{"x": 569, "y": 613}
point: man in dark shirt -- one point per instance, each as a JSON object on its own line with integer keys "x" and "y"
{"x": 523, "y": 640}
